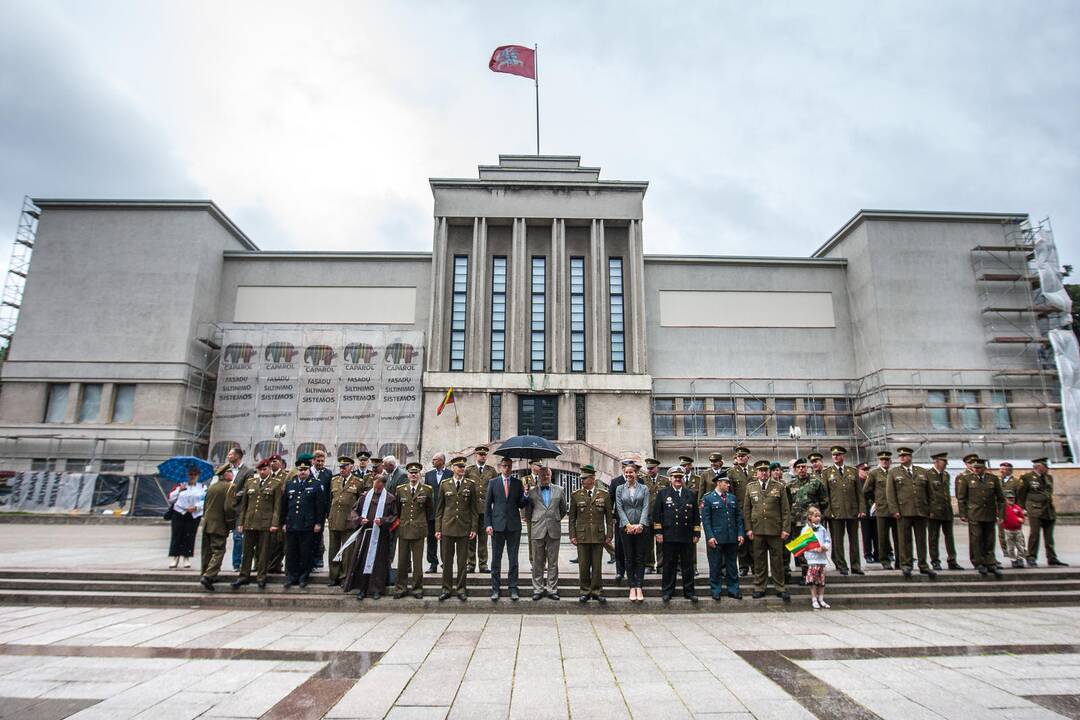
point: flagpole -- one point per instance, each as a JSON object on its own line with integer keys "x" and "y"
{"x": 536, "y": 79}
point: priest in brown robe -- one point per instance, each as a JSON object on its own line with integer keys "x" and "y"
{"x": 378, "y": 512}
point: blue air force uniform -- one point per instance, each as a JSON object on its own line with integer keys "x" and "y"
{"x": 722, "y": 521}
{"x": 303, "y": 507}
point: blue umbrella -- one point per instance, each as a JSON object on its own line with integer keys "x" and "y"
{"x": 529, "y": 447}
{"x": 176, "y": 468}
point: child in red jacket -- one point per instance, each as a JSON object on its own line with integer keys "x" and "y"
{"x": 1013, "y": 525}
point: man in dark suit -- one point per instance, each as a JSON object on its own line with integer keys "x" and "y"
{"x": 432, "y": 478}
{"x": 322, "y": 475}
{"x": 502, "y": 518}
{"x": 241, "y": 473}
{"x": 620, "y": 563}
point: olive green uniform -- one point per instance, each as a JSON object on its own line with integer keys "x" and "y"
{"x": 740, "y": 476}
{"x": 767, "y": 513}
{"x": 940, "y": 520}
{"x": 980, "y": 502}
{"x": 908, "y": 491}
{"x": 259, "y": 511}
{"x": 455, "y": 518}
{"x": 219, "y": 516}
{"x": 591, "y": 526}
{"x": 344, "y": 493}
{"x": 478, "y": 548}
{"x": 875, "y": 489}
{"x": 416, "y": 505}
{"x": 845, "y": 504}
{"x": 1036, "y": 496}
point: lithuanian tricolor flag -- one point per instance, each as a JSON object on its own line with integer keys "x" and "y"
{"x": 807, "y": 540}
{"x": 448, "y": 400}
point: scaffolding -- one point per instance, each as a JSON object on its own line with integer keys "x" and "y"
{"x": 200, "y": 386}
{"x": 18, "y": 269}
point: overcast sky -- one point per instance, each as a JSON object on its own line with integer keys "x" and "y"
{"x": 761, "y": 127}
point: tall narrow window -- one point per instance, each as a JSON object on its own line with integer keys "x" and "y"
{"x": 56, "y": 405}
{"x": 90, "y": 402}
{"x": 40, "y": 465}
{"x": 694, "y": 425}
{"x": 498, "y": 314}
{"x": 577, "y": 314}
{"x": 815, "y": 418}
{"x": 495, "y": 420}
{"x": 663, "y": 424}
{"x": 844, "y": 422}
{"x": 538, "y": 356}
{"x": 939, "y": 416}
{"x": 757, "y": 424}
{"x": 724, "y": 417}
{"x": 618, "y": 332}
{"x": 969, "y": 416}
{"x": 579, "y": 416}
{"x": 123, "y": 403}
{"x": 457, "y": 313}
{"x": 1002, "y": 420}
{"x": 785, "y": 415}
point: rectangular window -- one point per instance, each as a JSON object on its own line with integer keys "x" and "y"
{"x": 457, "y": 312}
{"x": 815, "y": 419}
{"x": 663, "y": 425}
{"x": 538, "y": 415}
{"x": 579, "y": 417}
{"x": 90, "y": 402}
{"x": 123, "y": 403}
{"x": 724, "y": 418}
{"x": 77, "y": 465}
{"x": 538, "y": 356}
{"x": 112, "y": 466}
{"x": 694, "y": 425}
{"x": 969, "y": 417}
{"x": 498, "y": 314}
{"x": 577, "y": 314}
{"x": 1002, "y": 419}
{"x": 845, "y": 424}
{"x": 40, "y": 465}
{"x": 939, "y": 416}
{"x": 56, "y": 406}
{"x": 618, "y": 317}
{"x": 756, "y": 425}
{"x": 785, "y": 415}
{"x": 495, "y": 416}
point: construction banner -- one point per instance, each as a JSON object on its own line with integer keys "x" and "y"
{"x": 50, "y": 492}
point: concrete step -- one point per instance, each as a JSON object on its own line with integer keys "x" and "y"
{"x": 254, "y": 599}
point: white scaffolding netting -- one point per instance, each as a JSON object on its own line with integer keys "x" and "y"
{"x": 1062, "y": 339}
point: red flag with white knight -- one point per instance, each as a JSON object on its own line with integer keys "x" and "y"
{"x": 514, "y": 59}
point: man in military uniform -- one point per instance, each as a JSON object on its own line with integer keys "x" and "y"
{"x": 740, "y": 474}
{"x": 416, "y": 505}
{"x": 1036, "y": 496}
{"x": 219, "y": 515}
{"x": 767, "y": 514}
{"x": 722, "y": 521}
{"x": 345, "y": 490}
{"x": 677, "y": 525}
{"x": 302, "y": 511}
{"x": 1012, "y": 482}
{"x": 655, "y": 482}
{"x": 276, "y": 547}
{"x": 591, "y": 526}
{"x": 908, "y": 490}
{"x": 480, "y": 473}
{"x": 867, "y": 525}
{"x": 455, "y": 524}
{"x": 620, "y": 561}
{"x": 804, "y": 491}
{"x": 322, "y": 475}
{"x": 362, "y": 469}
{"x": 980, "y": 499}
{"x": 940, "y": 521}
{"x": 259, "y": 511}
{"x": 845, "y": 510}
{"x": 817, "y": 465}
{"x": 874, "y": 488}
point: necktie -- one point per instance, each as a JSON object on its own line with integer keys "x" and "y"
{"x": 908, "y": 471}
{"x": 414, "y": 490}
{"x": 506, "y": 486}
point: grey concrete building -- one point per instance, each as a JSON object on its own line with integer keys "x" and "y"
{"x": 540, "y": 309}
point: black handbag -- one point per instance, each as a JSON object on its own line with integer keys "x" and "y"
{"x": 169, "y": 512}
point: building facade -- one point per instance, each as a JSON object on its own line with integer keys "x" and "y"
{"x": 540, "y": 309}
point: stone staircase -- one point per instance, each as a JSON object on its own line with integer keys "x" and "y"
{"x": 877, "y": 589}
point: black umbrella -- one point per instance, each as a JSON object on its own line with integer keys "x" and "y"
{"x": 529, "y": 447}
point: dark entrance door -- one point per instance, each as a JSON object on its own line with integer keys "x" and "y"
{"x": 538, "y": 415}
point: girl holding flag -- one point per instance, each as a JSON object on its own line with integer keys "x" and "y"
{"x": 814, "y": 543}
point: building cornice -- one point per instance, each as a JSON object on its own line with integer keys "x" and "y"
{"x": 471, "y": 184}
{"x": 325, "y": 255}
{"x": 916, "y": 216}
{"x": 743, "y": 260}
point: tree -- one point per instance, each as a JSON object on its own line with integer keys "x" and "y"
{"x": 1074, "y": 294}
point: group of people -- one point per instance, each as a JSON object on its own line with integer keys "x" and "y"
{"x": 370, "y": 513}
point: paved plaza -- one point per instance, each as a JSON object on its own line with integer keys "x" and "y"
{"x": 178, "y": 663}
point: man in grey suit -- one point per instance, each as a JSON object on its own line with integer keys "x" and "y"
{"x": 433, "y": 478}
{"x": 546, "y": 505}
{"x": 502, "y": 520}
{"x": 241, "y": 473}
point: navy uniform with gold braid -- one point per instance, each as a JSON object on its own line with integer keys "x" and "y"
{"x": 677, "y": 520}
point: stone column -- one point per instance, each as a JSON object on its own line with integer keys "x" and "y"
{"x": 476, "y": 322}
{"x": 438, "y": 332}
{"x": 599, "y": 323}
{"x": 634, "y": 302}
{"x": 559, "y": 302}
